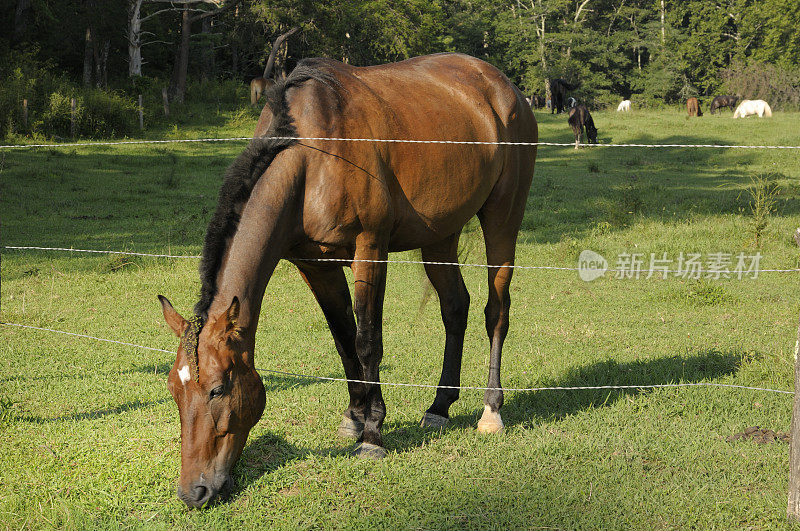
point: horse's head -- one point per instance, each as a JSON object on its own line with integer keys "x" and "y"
{"x": 591, "y": 133}
{"x": 220, "y": 398}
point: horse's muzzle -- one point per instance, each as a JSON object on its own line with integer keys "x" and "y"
{"x": 203, "y": 493}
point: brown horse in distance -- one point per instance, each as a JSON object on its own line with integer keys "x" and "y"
{"x": 693, "y": 107}
{"x": 356, "y": 201}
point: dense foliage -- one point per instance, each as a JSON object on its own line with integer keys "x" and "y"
{"x": 655, "y": 51}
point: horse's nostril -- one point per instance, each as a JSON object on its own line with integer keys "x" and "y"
{"x": 199, "y": 492}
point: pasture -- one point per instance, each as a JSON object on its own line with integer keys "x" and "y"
{"x": 89, "y": 436}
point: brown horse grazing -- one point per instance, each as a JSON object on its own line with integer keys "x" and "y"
{"x": 357, "y": 201}
{"x": 693, "y": 107}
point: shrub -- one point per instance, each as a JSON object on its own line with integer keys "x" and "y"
{"x": 761, "y": 81}
{"x": 98, "y": 112}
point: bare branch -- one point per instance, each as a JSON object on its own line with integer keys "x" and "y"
{"x": 580, "y": 8}
{"x": 277, "y": 44}
{"x": 215, "y": 12}
{"x": 169, "y": 9}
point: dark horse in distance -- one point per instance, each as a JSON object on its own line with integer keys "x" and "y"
{"x": 558, "y": 92}
{"x": 580, "y": 119}
{"x": 355, "y": 202}
{"x": 723, "y": 101}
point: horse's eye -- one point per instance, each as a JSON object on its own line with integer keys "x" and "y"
{"x": 217, "y": 391}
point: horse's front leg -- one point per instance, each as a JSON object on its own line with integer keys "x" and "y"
{"x": 370, "y": 286}
{"x": 329, "y": 286}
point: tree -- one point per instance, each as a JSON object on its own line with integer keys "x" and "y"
{"x": 181, "y": 64}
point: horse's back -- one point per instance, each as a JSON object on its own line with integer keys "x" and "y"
{"x": 424, "y": 190}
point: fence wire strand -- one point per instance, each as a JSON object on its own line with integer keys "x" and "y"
{"x": 390, "y": 141}
{"x": 431, "y": 386}
{"x": 420, "y": 262}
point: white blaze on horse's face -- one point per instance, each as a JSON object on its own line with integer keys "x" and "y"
{"x": 183, "y": 374}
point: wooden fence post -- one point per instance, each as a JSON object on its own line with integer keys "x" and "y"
{"x": 25, "y": 113}
{"x": 141, "y": 113}
{"x": 72, "y": 118}
{"x": 793, "y": 509}
{"x": 165, "y": 97}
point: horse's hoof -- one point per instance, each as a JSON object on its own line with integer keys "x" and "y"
{"x": 350, "y": 429}
{"x": 490, "y": 422}
{"x": 432, "y": 420}
{"x": 370, "y": 451}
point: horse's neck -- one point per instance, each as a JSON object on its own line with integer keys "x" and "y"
{"x": 267, "y": 222}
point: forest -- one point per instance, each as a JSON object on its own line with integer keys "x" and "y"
{"x": 655, "y": 52}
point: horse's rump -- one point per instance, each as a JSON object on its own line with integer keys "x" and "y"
{"x": 693, "y": 107}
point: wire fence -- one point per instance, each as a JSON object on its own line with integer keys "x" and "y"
{"x": 421, "y": 262}
{"x": 391, "y": 141}
{"x": 430, "y": 386}
{"x": 662, "y": 270}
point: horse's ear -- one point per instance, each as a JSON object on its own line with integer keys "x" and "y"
{"x": 232, "y": 328}
{"x": 174, "y": 320}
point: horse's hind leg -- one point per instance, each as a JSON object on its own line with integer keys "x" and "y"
{"x": 329, "y": 286}
{"x": 501, "y": 217}
{"x": 454, "y": 305}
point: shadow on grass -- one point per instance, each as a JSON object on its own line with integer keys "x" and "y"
{"x": 524, "y": 407}
{"x": 272, "y": 383}
{"x": 536, "y": 406}
{"x": 150, "y": 189}
{"x": 269, "y": 452}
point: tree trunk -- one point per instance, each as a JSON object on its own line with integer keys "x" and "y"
{"x": 134, "y": 38}
{"x": 208, "y": 51}
{"x": 21, "y": 19}
{"x": 547, "y": 95}
{"x": 181, "y": 67}
{"x": 104, "y": 62}
{"x": 234, "y": 59}
{"x": 663, "y": 30}
{"x": 87, "y": 58}
{"x": 98, "y": 74}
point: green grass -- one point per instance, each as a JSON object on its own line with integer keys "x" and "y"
{"x": 89, "y": 436}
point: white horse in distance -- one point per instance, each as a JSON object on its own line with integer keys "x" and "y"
{"x": 624, "y": 106}
{"x": 749, "y": 107}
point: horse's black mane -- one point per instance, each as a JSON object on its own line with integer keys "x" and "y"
{"x": 243, "y": 174}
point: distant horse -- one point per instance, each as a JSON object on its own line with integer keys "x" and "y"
{"x": 258, "y": 87}
{"x": 536, "y": 101}
{"x": 693, "y": 107}
{"x": 355, "y": 202}
{"x": 580, "y": 118}
{"x": 571, "y": 103}
{"x": 723, "y": 101}
{"x": 624, "y": 106}
{"x": 749, "y": 107}
{"x": 558, "y": 92}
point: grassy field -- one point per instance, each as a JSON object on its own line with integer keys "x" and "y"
{"x": 89, "y": 436}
